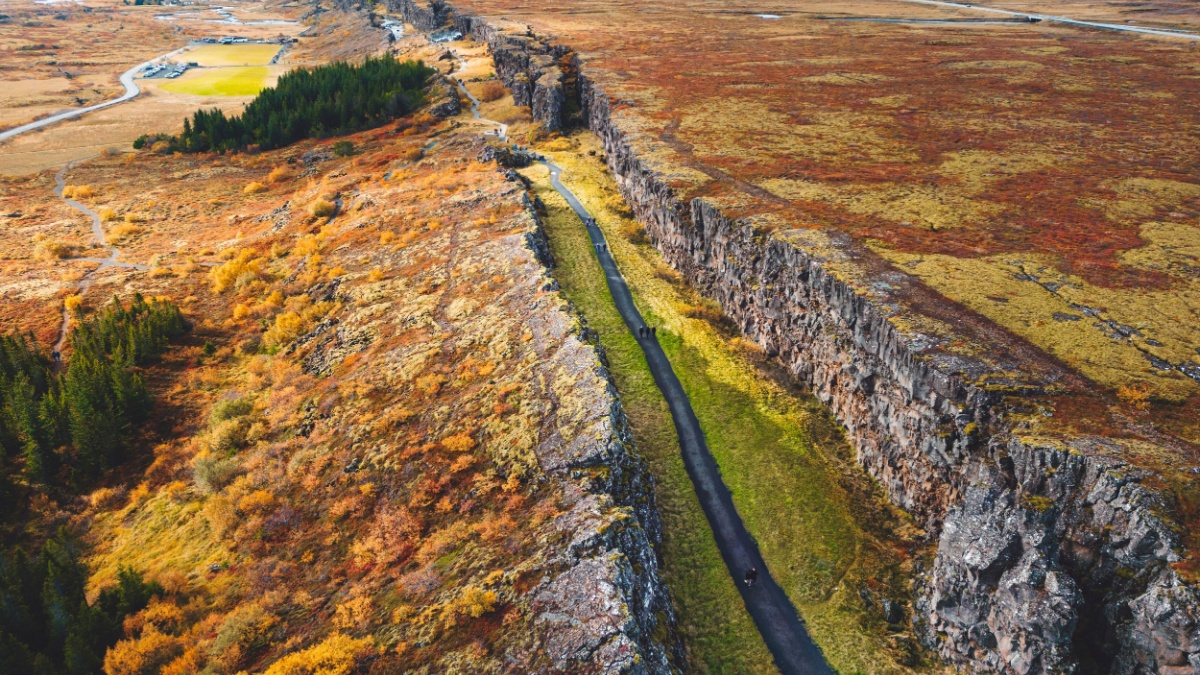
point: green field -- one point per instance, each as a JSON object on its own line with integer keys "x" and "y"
{"x": 211, "y": 56}
{"x": 246, "y": 81}
{"x": 822, "y": 525}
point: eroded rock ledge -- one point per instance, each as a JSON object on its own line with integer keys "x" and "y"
{"x": 605, "y": 609}
{"x": 1050, "y": 554}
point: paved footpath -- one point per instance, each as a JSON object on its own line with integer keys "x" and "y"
{"x": 772, "y": 611}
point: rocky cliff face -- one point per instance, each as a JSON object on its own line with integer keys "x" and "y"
{"x": 602, "y": 606}
{"x": 527, "y": 64}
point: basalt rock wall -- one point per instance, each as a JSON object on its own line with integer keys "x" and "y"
{"x": 1049, "y": 559}
{"x": 528, "y": 66}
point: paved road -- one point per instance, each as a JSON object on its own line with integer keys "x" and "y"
{"x": 772, "y": 611}
{"x": 131, "y": 92}
{"x": 776, "y": 618}
{"x": 1125, "y": 28}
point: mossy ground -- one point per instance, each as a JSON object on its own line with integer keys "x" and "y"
{"x": 820, "y": 523}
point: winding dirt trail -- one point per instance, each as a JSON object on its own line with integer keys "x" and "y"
{"x": 89, "y": 277}
{"x": 772, "y": 610}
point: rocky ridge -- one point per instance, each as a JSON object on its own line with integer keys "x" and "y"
{"x": 1051, "y": 555}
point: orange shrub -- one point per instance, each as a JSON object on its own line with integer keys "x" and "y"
{"x": 279, "y": 174}
{"x": 492, "y": 90}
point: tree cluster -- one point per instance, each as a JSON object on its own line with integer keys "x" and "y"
{"x": 47, "y": 626}
{"x": 338, "y": 98}
{"x": 85, "y": 417}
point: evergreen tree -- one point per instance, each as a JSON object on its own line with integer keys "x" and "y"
{"x": 337, "y": 98}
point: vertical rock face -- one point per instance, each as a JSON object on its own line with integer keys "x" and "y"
{"x": 607, "y": 610}
{"x": 527, "y": 65}
{"x": 426, "y": 15}
{"x": 1049, "y": 559}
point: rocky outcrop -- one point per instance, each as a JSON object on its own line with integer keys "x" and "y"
{"x": 427, "y": 15}
{"x": 528, "y": 65}
{"x": 601, "y": 607}
{"x": 443, "y": 97}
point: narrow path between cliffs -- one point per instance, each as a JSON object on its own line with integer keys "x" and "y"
{"x": 773, "y": 612}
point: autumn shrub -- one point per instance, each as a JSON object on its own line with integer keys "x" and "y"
{"x": 145, "y": 655}
{"x": 634, "y": 232}
{"x": 243, "y": 266}
{"x": 475, "y": 602}
{"x": 279, "y": 174}
{"x": 1136, "y": 396}
{"x": 134, "y": 217}
{"x": 336, "y": 655}
{"x": 353, "y": 613}
{"x": 228, "y": 436}
{"x": 245, "y": 629}
{"x": 492, "y": 90}
{"x": 254, "y": 187}
{"x": 289, "y": 325}
{"x": 122, "y": 232}
{"x": 50, "y": 249}
{"x": 73, "y": 302}
{"x": 106, "y": 214}
{"x": 211, "y": 473}
{"x": 322, "y": 208}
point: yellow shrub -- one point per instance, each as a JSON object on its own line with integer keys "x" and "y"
{"x": 240, "y": 311}
{"x": 287, "y": 327}
{"x": 337, "y": 655}
{"x": 475, "y": 601}
{"x": 1135, "y": 396}
{"x": 386, "y": 237}
{"x": 352, "y": 613}
{"x": 279, "y": 174}
{"x": 73, "y": 302}
{"x": 259, "y": 500}
{"x": 106, "y": 214}
{"x": 160, "y": 271}
{"x": 144, "y": 656}
{"x": 254, "y": 187}
{"x": 335, "y": 273}
{"x": 241, "y": 265}
{"x": 375, "y": 275}
{"x": 50, "y": 249}
{"x": 458, "y": 443}
{"x": 307, "y": 245}
{"x": 84, "y": 192}
{"x": 122, "y": 232}
{"x": 322, "y": 208}
{"x": 134, "y": 218}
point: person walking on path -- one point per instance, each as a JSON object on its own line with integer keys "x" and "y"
{"x": 751, "y": 576}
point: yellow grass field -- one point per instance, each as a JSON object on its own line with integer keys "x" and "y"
{"x": 221, "y": 82}
{"x": 232, "y": 55}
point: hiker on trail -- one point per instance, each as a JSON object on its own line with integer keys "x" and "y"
{"x": 56, "y": 356}
{"x": 751, "y": 576}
